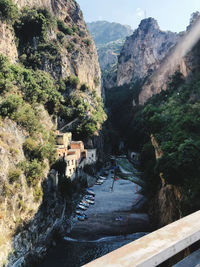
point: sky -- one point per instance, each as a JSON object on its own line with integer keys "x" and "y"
{"x": 173, "y": 15}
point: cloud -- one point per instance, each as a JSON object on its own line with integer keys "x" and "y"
{"x": 140, "y": 13}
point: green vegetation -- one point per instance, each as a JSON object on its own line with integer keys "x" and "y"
{"x": 33, "y": 23}
{"x": 26, "y": 91}
{"x": 84, "y": 87}
{"x": 46, "y": 53}
{"x": 37, "y": 194}
{"x": 87, "y": 42}
{"x": 33, "y": 171}
{"x": 72, "y": 81}
{"x": 96, "y": 81}
{"x": 173, "y": 118}
{"x": 22, "y": 90}
{"x": 70, "y": 47}
{"x": 36, "y": 51}
{"x": 64, "y": 28}
{"x": 61, "y": 37}
{"x": 90, "y": 118}
{"x": 8, "y": 11}
{"x": 14, "y": 175}
{"x": 122, "y": 123}
{"x": 36, "y": 87}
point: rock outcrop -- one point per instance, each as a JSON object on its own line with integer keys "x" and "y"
{"x": 143, "y": 51}
{"x": 181, "y": 58}
{"x": 7, "y": 42}
{"x": 82, "y": 59}
{"x": 109, "y": 39}
{"x": 167, "y": 198}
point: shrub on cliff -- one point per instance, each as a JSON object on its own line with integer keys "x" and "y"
{"x": 64, "y": 28}
{"x": 35, "y": 86}
{"x": 8, "y": 10}
{"x": 72, "y": 81}
{"x": 33, "y": 22}
{"x": 16, "y": 109}
{"x": 173, "y": 118}
{"x": 33, "y": 171}
{"x": 14, "y": 175}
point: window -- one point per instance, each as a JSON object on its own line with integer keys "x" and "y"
{"x": 68, "y": 163}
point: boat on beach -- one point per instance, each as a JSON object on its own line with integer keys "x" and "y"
{"x": 102, "y": 177}
{"x": 84, "y": 203}
{"x": 98, "y": 183}
{"x": 90, "y": 201}
{"x": 82, "y": 217}
{"x": 100, "y": 180}
{"x": 89, "y": 197}
{"x": 79, "y": 212}
{"x": 90, "y": 192}
{"x": 82, "y": 207}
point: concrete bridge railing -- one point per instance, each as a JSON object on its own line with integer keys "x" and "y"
{"x": 155, "y": 248}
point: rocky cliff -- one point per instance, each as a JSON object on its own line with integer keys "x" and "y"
{"x": 51, "y": 77}
{"x": 143, "y": 51}
{"x": 180, "y": 58}
{"x": 109, "y": 39}
{"x": 167, "y": 198}
{"x": 77, "y": 50}
{"x": 7, "y": 41}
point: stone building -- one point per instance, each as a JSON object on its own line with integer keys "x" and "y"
{"x": 74, "y": 154}
{"x": 63, "y": 139}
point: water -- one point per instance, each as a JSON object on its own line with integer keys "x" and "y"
{"x": 75, "y": 253}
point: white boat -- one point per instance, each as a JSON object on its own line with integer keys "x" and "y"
{"x": 84, "y": 203}
{"x": 82, "y": 207}
{"x": 89, "y": 197}
{"x": 81, "y": 218}
{"x": 102, "y": 177}
{"x": 79, "y": 212}
{"x": 90, "y": 192}
{"x": 100, "y": 181}
{"x": 90, "y": 201}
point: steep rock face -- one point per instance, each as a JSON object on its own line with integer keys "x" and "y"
{"x": 143, "y": 51}
{"x": 82, "y": 61}
{"x": 183, "y": 57}
{"x": 108, "y": 54}
{"x": 165, "y": 205}
{"x": 29, "y": 214}
{"x": 7, "y": 42}
{"x": 18, "y": 202}
{"x": 109, "y": 39}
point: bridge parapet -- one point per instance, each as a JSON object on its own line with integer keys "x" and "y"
{"x": 155, "y": 248}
